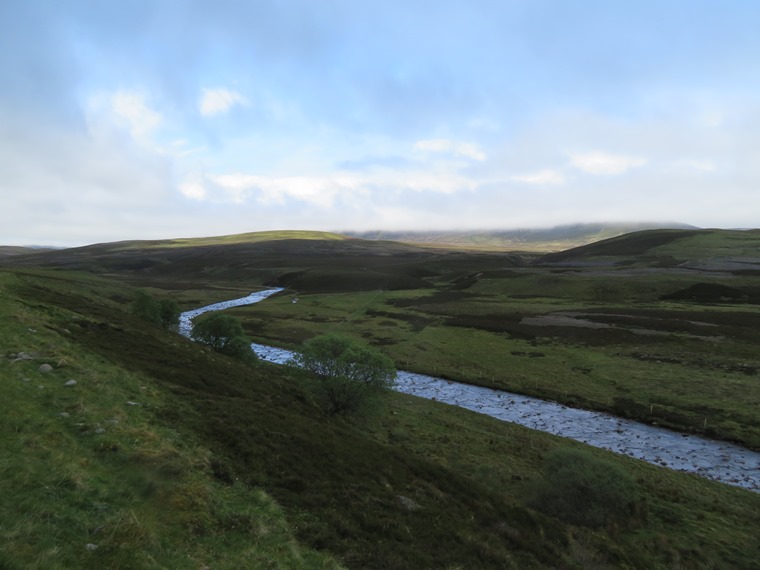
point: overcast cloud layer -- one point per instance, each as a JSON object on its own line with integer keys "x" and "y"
{"x": 168, "y": 118}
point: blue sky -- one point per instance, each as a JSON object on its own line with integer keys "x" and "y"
{"x": 168, "y": 118}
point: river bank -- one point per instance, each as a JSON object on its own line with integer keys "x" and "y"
{"x": 716, "y": 460}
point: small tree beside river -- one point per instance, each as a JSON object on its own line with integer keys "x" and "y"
{"x": 164, "y": 313}
{"x": 224, "y": 334}
{"x": 350, "y": 377}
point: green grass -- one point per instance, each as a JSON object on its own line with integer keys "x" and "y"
{"x": 469, "y": 317}
{"x": 340, "y": 489}
{"x": 713, "y": 244}
{"x": 190, "y": 474}
{"x": 252, "y": 237}
{"x": 696, "y": 371}
{"x": 665, "y": 248}
{"x": 80, "y": 465}
{"x": 229, "y": 437}
{"x": 688, "y": 519}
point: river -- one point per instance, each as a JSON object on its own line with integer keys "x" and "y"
{"x": 716, "y": 460}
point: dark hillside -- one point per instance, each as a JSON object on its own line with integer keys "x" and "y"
{"x": 634, "y": 244}
{"x": 305, "y": 265}
{"x": 734, "y": 251}
{"x": 11, "y": 251}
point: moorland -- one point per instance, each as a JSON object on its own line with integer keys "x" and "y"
{"x": 225, "y": 465}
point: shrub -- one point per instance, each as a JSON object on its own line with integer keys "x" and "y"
{"x": 164, "y": 313}
{"x": 349, "y": 376}
{"x": 168, "y": 311}
{"x": 579, "y": 488}
{"x": 224, "y": 334}
{"x": 145, "y": 307}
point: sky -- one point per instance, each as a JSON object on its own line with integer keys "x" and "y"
{"x": 180, "y": 118}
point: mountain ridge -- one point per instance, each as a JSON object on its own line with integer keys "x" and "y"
{"x": 548, "y": 239}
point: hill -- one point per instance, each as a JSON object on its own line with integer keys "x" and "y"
{"x": 11, "y": 250}
{"x": 306, "y": 261}
{"x": 163, "y": 454}
{"x": 527, "y": 240}
{"x": 708, "y": 250}
{"x": 253, "y": 471}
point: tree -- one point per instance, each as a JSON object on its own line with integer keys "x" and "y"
{"x": 164, "y": 313}
{"x": 349, "y": 376}
{"x": 145, "y": 307}
{"x": 169, "y": 312}
{"x": 224, "y": 334}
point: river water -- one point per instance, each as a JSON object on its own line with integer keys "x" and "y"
{"x": 715, "y": 460}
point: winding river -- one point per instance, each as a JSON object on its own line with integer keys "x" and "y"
{"x": 715, "y": 460}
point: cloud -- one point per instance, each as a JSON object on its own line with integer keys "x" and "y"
{"x": 193, "y": 188}
{"x": 440, "y": 182}
{"x": 692, "y": 164}
{"x": 541, "y": 177}
{"x": 457, "y": 148}
{"x": 66, "y": 187}
{"x": 181, "y": 148}
{"x": 218, "y": 101}
{"x": 602, "y": 163}
{"x": 457, "y": 117}
{"x": 108, "y": 114}
{"x": 131, "y": 108}
{"x": 375, "y": 162}
{"x": 320, "y": 191}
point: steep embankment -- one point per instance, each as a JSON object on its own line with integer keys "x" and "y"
{"x": 94, "y": 476}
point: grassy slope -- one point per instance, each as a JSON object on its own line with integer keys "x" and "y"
{"x": 339, "y": 483}
{"x": 340, "y": 488}
{"x": 688, "y": 518}
{"x": 81, "y": 466}
{"x": 673, "y": 380}
{"x": 694, "y": 369}
{"x": 232, "y": 239}
{"x": 665, "y": 247}
{"x": 460, "y": 314}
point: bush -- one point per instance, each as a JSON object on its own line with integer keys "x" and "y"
{"x": 224, "y": 334}
{"x": 349, "y": 376}
{"x": 168, "y": 311}
{"x": 164, "y": 313}
{"x": 145, "y": 307}
{"x": 579, "y": 488}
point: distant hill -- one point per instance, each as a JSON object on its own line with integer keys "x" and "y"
{"x": 320, "y": 262}
{"x": 11, "y": 250}
{"x": 708, "y": 250}
{"x": 304, "y": 261}
{"x": 144, "y": 254}
{"x": 557, "y": 238}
